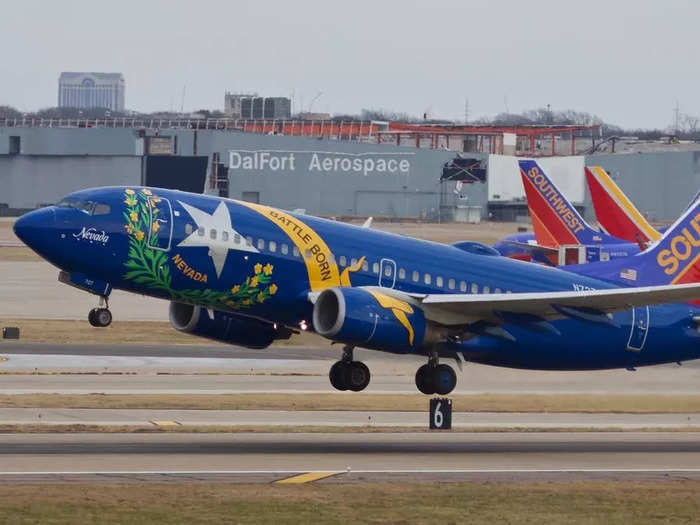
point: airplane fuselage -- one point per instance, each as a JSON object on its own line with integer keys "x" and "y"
{"x": 262, "y": 263}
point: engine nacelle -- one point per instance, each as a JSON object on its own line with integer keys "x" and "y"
{"x": 224, "y": 327}
{"x": 370, "y": 319}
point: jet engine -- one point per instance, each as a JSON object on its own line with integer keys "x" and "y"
{"x": 224, "y": 327}
{"x": 371, "y": 319}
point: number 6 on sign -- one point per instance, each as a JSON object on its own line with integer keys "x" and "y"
{"x": 440, "y": 413}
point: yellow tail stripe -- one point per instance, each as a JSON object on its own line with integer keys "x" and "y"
{"x": 320, "y": 264}
{"x": 306, "y": 478}
{"x": 627, "y": 205}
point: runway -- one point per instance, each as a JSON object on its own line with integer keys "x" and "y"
{"x": 351, "y": 457}
{"x": 344, "y": 418}
{"x": 217, "y": 369}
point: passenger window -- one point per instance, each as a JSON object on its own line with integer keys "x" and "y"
{"x": 402, "y": 273}
{"x": 427, "y": 278}
{"x": 462, "y": 286}
{"x": 188, "y": 229}
{"x": 365, "y": 265}
{"x": 249, "y": 241}
{"x": 200, "y": 231}
{"x": 261, "y": 244}
{"x": 273, "y": 246}
{"x": 212, "y": 233}
{"x": 307, "y": 254}
{"x": 353, "y": 261}
{"x": 237, "y": 239}
{"x": 375, "y": 268}
{"x": 224, "y": 236}
{"x": 284, "y": 248}
{"x": 331, "y": 258}
{"x": 343, "y": 260}
{"x": 475, "y": 288}
{"x": 487, "y": 289}
{"x": 496, "y": 290}
{"x": 295, "y": 251}
{"x": 451, "y": 284}
{"x": 101, "y": 209}
{"x": 438, "y": 281}
{"x": 415, "y": 276}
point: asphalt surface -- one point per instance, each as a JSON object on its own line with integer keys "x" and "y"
{"x": 444, "y": 456}
{"x": 349, "y": 418}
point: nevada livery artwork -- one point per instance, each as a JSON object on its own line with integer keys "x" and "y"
{"x": 148, "y": 264}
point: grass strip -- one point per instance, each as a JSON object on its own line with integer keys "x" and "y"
{"x": 610, "y": 502}
{"x": 593, "y": 403}
{"x": 279, "y": 429}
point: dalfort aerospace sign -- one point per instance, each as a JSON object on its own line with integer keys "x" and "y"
{"x": 366, "y": 164}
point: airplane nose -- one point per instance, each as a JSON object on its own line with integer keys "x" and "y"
{"x": 32, "y": 227}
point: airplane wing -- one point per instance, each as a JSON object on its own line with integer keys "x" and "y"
{"x": 589, "y": 305}
{"x": 532, "y": 248}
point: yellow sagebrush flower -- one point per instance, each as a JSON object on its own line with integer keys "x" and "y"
{"x": 254, "y": 281}
{"x": 272, "y": 289}
{"x": 268, "y": 269}
{"x": 257, "y": 268}
{"x": 130, "y": 201}
{"x": 146, "y": 191}
{"x": 139, "y": 235}
{"x": 155, "y": 226}
{"x": 236, "y": 289}
{"x": 260, "y": 297}
{"x": 129, "y": 192}
{"x": 134, "y": 216}
{"x": 129, "y": 229}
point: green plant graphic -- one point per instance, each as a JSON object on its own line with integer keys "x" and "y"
{"x": 149, "y": 266}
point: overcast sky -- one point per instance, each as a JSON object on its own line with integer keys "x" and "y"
{"x": 627, "y": 62}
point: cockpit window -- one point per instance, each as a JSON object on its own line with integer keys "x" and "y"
{"x": 88, "y": 207}
{"x": 101, "y": 209}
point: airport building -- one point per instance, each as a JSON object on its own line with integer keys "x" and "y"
{"x": 247, "y": 106}
{"x": 332, "y": 168}
{"x": 91, "y": 90}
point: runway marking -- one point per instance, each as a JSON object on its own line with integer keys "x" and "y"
{"x": 307, "y": 477}
{"x": 328, "y": 473}
{"x": 165, "y": 423}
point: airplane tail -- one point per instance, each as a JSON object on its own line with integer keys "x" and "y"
{"x": 615, "y": 212}
{"x": 674, "y": 259}
{"x": 555, "y": 221}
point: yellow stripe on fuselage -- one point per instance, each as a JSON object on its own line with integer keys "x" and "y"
{"x": 320, "y": 264}
{"x": 627, "y": 206}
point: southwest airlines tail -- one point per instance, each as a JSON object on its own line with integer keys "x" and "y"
{"x": 555, "y": 221}
{"x": 674, "y": 259}
{"x": 615, "y": 212}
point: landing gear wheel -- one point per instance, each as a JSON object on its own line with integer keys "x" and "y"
{"x": 100, "y": 317}
{"x": 425, "y": 380}
{"x": 337, "y": 375}
{"x": 357, "y": 376}
{"x": 444, "y": 379}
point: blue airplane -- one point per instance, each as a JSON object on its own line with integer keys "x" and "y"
{"x": 249, "y": 274}
{"x": 556, "y": 222}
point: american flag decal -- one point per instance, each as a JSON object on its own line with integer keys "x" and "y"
{"x": 629, "y": 274}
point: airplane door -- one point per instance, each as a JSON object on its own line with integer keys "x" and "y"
{"x": 160, "y": 232}
{"x": 639, "y": 330}
{"x": 387, "y": 273}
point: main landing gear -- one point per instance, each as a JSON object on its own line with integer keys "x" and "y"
{"x": 101, "y": 317}
{"x": 347, "y": 374}
{"x": 434, "y": 378}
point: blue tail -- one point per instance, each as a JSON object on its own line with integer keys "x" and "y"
{"x": 674, "y": 259}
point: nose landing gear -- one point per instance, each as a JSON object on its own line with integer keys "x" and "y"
{"x": 434, "y": 378}
{"x": 347, "y": 374}
{"x": 100, "y": 317}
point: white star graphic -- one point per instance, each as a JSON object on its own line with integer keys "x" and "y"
{"x": 218, "y": 222}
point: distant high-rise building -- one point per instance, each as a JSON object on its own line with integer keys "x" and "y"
{"x": 91, "y": 90}
{"x": 238, "y": 105}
